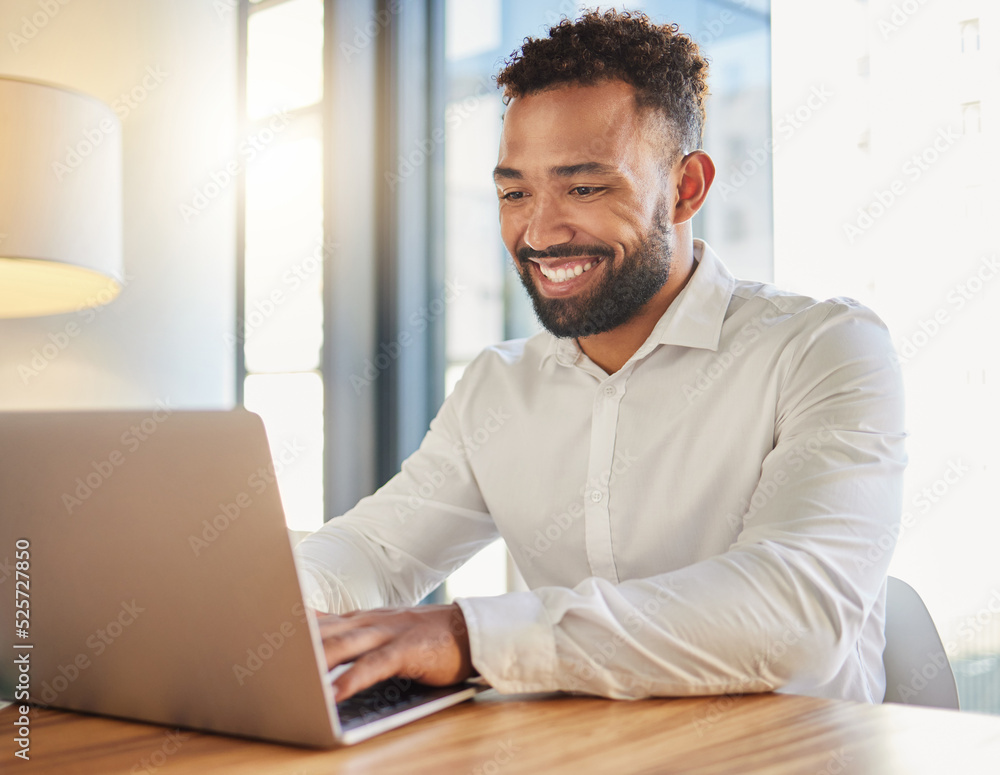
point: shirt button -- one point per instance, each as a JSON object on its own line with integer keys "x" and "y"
{"x": 610, "y": 390}
{"x": 596, "y": 496}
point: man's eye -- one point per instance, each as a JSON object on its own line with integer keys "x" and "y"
{"x": 512, "y": 195}
{"x": 587, "y": 190}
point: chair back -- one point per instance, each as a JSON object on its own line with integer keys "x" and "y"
{"x": 917, "y": 671}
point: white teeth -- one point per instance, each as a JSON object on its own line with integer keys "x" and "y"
{"x": 562, "y": 274}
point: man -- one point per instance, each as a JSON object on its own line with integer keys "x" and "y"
{"x": 698, "y": 477}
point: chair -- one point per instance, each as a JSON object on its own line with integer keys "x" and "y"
{"x": 917, "y": 671}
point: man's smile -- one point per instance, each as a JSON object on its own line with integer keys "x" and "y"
{"x": 561, "y": 277}
{"x": 561, "y": 271}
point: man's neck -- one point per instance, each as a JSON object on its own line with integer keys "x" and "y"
{"x": 612, "y": 349}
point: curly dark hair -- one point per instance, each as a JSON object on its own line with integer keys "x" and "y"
{"x": 663, "y": 65}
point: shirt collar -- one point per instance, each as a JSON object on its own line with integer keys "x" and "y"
{"x": 693, "y": 319}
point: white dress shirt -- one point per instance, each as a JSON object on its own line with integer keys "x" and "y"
{"x": 715, "y": 517}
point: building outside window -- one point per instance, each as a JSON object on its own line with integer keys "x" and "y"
{"x": 905, "y": 227}
{"x": 970, "y": 36}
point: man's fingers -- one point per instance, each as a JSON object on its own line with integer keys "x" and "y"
{"x": 332, "y": 624}
{"x": 429, "y": 644}
{"x": 343, "y": 645}
{"x": 369, "y": 669}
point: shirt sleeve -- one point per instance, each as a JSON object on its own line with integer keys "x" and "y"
{"x": 785, "y": 605}
{"x": 397, "y": 545}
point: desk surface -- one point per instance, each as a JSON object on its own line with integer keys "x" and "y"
{"x": 495, "y": 734}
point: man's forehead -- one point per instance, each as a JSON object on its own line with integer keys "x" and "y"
{"x": 573, "y": 129}
{"x": 573, "y": 105}
{"x": 607, "y": 90}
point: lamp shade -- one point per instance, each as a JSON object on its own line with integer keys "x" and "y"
{"x": 60, "y": 200}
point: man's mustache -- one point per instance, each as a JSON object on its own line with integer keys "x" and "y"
{"x": 566, "y": 251}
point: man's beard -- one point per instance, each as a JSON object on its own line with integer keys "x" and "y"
{"x": 617, "y": 297}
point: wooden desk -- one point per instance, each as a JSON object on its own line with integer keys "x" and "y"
{"x": 495, "y": 735}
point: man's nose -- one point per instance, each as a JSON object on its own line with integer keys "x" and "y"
{"x": 547, "y": 225}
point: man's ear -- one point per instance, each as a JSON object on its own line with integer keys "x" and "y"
{"x": 694, "y": 175}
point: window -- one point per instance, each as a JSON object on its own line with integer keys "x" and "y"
{"x": 971, "y": 118}
{"x": 281, "y": 324}
{"x": 874, "y": 227}
{"x": 340, "y": 298}
{"x": 969, "y": 31}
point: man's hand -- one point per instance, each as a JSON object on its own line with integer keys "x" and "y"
{"x": 429, "y": 644}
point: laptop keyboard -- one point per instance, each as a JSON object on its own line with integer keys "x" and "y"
{"x": 385, "y": 699}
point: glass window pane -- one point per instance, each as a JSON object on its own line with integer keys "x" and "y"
{"x": 871, "y": 224}
{"x": 970, "y": 36}
{"x": 474, "y": 253}
{"x": 283, "y": 315}
{"x": 971, "y": 122}
{"x": 472, "y": 28}
{"x": 284, "y": 57}
{"x": 291, "y": 406}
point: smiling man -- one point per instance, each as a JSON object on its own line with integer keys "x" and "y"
{"x": 699, "y": 478}
{"x": 595, "y": 239}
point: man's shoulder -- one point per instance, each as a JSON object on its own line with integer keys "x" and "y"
{"x": 809, "y": 337}
{"x": 775, "y": 305}
{"x": 515, "y": 353}
{"x": 511, "y": 359}
{"x": 499, "y": 372}
{"x": 836, "y": 330}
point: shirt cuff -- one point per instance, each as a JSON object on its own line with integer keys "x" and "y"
{"x": 512, "y": 642}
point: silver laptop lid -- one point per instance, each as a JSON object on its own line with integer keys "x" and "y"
{"x": 162, "y": 584}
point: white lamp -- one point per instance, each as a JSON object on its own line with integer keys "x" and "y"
{"x": 60, "y": 200}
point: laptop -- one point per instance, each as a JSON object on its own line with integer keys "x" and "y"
{"x": 161, "y": 585}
